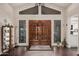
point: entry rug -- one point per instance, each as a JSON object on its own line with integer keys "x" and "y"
{"x": 40, "y": 48}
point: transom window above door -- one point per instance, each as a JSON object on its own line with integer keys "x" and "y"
{"x": 43, "y": 10}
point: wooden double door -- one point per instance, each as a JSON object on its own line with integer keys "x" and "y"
{"x": 40, "y": 32}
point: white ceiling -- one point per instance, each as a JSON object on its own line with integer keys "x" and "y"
{"x": 63, "y": 5}
{"x": 60, "y": 5}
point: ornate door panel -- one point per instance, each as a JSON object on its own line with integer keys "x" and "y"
{"x": 39, "y": 32}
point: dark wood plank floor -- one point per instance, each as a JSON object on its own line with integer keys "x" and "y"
{"x": 22, "y": 51}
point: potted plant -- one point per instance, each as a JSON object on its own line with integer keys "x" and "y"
{"x": 64, "y": 43}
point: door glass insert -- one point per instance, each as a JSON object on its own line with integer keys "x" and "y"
{"x": 57, "y": 31}
{"x": 22, "y": 31}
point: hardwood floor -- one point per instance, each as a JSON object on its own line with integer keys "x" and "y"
{"x": 22, "y": 51}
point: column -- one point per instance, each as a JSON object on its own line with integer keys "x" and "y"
{"x": 78, "y": 37}
{"x": 39, "y": 9}
{"x": 0, "y": 41}
{"x": 52, "y": 32}
{"x": 27, "y": 32}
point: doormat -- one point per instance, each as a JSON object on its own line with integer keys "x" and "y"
{"x": 40, "y": 48}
